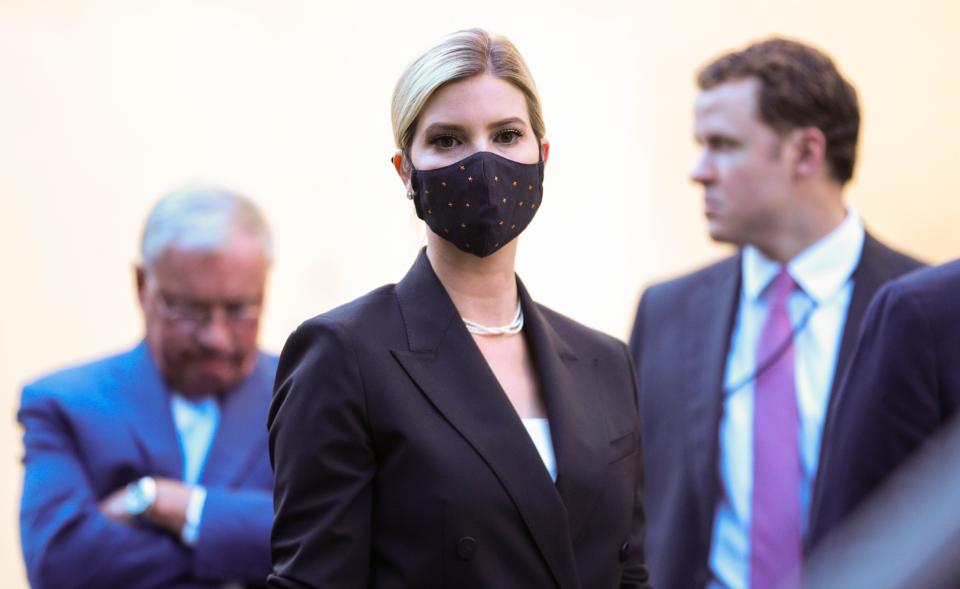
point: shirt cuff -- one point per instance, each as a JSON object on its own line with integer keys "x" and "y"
{"x": 191, "y": 528}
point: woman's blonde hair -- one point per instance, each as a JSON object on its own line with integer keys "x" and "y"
{"x": 459, "y": 56}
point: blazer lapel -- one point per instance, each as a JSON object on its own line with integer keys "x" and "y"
{"x": 711, "y": 314}
{"x": 578, "y": 427}
{"x": 235, "y": 444}
{"x": 446, "y": 365}
{"x": 150, "y": 421}
{"x": 868, "y": 276}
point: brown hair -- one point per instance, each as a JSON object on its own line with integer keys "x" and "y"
{"x": 799, "y": 87}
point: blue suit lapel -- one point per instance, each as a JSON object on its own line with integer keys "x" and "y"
{"x": 711, "y": 315}
{"x": 868, "y": 277}
{"x": 148, "y": 415}
{"x": 241, "y": 435}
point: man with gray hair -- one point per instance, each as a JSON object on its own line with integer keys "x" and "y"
{"x": 149, "y": 468}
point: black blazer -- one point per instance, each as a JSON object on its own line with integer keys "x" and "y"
{"x": 400, "y": 462}
{"x": 902, "y": 387}
{"x": 680, "y": 343}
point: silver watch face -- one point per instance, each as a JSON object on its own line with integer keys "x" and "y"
{"x": 140, "y": 495}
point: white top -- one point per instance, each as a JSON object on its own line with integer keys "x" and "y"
{"x": 196, "y": 422}
{"x": 823, "y": 274}
{"x": 539, "y": 430}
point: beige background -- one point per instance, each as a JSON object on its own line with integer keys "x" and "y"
{"x": 105, "y": 105}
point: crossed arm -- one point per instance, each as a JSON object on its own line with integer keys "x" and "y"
{"x": 74, "y": 539}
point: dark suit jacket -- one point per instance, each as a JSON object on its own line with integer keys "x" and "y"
{"x": 903, "y": 385}
{"x": 400, "y": 462}
{"x": 680, "y": 342}
{"x": 92, "y": 429}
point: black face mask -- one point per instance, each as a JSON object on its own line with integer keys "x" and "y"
{"x": 480, "y": 203}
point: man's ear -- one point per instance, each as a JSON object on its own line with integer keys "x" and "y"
{"x": 545, "y": 149}
{"x": 140, "y": 276}
{"x": 402, "y": 165}
{"x": 810, "y": 146}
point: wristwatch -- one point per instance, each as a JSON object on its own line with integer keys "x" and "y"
{"x": 140, "y": 495}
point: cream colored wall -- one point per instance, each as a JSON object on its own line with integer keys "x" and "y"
{"x": 104, "y": 105}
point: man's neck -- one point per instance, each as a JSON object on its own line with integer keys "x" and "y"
{"x": 823, "y": 213}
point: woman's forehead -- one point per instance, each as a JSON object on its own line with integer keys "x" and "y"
{"x": 478, "y": 100}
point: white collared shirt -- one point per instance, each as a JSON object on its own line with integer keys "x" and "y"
{"x": 823, "y": 273}
{"x": 539, "y": 430}
{"x": 196, "y": 424}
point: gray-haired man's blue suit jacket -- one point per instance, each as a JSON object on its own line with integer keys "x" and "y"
{"x": 92, "y": 429}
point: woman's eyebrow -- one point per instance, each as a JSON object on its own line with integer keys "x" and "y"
{"x": 443, "y": 127}
{"x": 508, "y": 121}
{"x": 453, "y": 128}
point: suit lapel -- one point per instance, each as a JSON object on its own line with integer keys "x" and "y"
{"x": 150, "y": 420}
{"x": 867, "y": 278}
{"x": 711, "y": 314}
{"x": 577, "y": 425}
{"x": 870, "y": 274}
{"x": 446, "y": 365}
{"x": 235, "y": 444}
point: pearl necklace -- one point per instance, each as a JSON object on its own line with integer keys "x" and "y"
{"x": 509, "y": 329}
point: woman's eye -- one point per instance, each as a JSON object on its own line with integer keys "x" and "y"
{"x": 508, "y": 136}
{"x": 444, "y": 141}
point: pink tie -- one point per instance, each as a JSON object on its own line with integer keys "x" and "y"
{"x": 775, "y": 550}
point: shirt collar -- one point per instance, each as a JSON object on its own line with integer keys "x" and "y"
{"x": 203, "y": 404}
{"x": 820, "y": 270}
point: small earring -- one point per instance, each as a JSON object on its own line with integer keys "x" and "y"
{"x": 411, "y": 194}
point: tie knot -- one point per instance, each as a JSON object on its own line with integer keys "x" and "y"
{"x": 781, "y": 287}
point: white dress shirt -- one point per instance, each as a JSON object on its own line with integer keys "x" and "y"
{"x": 196, "y": 423}
{"x": 818, "y": 311}
{"x": 539, "y": 430}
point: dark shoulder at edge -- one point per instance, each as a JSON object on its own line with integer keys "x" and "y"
{"x": 703, "y": 275}
{"x": 350, "y": 313}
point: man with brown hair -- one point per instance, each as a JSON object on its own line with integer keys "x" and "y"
{"x": 737, "y": 362}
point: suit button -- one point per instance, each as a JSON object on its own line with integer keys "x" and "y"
{"x": 466, "y": 547}
{"x": 624, "y": 551}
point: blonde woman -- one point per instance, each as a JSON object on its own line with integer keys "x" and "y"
{"x": 448, "y": 431}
